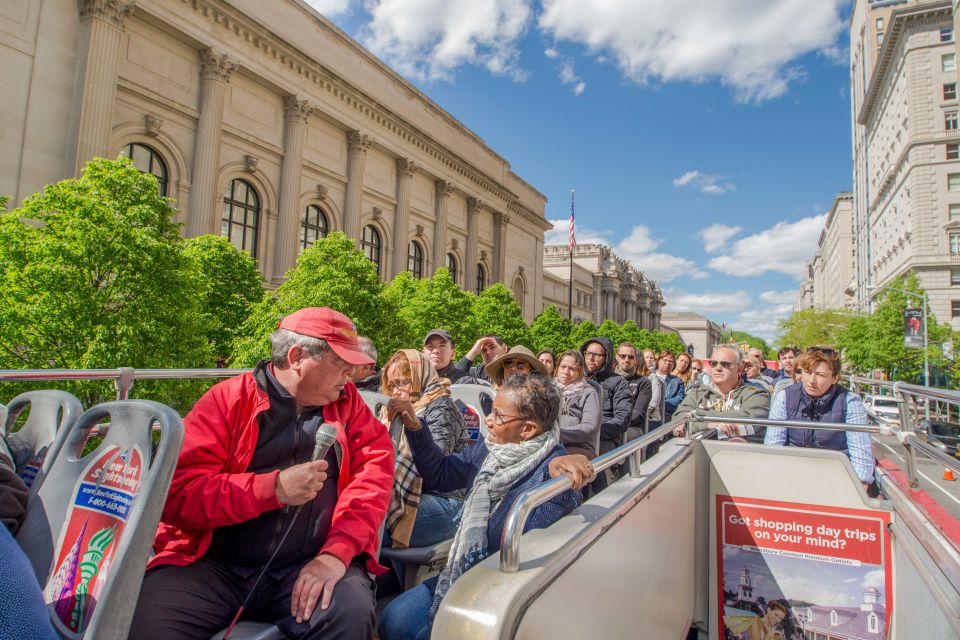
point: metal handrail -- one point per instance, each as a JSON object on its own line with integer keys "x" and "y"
{"x": 789, "y": 424}
{"x": 123, "y": 377}
{"x": 929, "y": 393}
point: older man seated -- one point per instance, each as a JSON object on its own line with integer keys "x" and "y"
{"x": 727, "y": 394}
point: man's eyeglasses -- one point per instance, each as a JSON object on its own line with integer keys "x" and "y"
{"x": 593, "y": 355}
{"x": 721, "y": 363}
{"x": 519, "y": 365}
{"x": 498, "y": 418}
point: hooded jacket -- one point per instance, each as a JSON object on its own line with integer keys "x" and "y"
{"x": 748, "y": 402}
{"x": 616, "y": 403}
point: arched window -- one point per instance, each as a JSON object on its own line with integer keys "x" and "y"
{"x": 415, "y": 259}
{"x": 313, "y": 226}
{"x": 371, "y": 244}
{"x": 518, "y": 290}
{"x": 481, "y": 278}
{"x": 241, "y": 216}
{"x": 148, "y": 161}
{"x": 452, "y": 266}
{"x": 873, "y": 623}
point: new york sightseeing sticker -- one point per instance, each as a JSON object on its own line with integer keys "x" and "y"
{"x": 96, "y": 516}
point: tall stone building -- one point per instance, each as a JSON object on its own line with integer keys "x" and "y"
{"x": 605, "y": 286}
{"x": 906, "y": 150}
{"x": 265, "y": 123}
{"x": 829, "y": 281}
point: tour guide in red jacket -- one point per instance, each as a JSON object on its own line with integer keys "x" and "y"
{"x": 244, "y": 471}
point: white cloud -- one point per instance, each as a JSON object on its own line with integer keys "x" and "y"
{"x": 330, "y": 8}
{"x": 706, "y": 304}
{"x": 780, "y": 297}
{"x": 716, "y": 236}
{"x": 430, "y": 39}
{"x": 560, "y": 234}
{"x": 748, "y": 46}
{"x": 577, "y": 90}
{"x": 640, "y": 249}
{"x": 762, "y": 321}
{"x": 551, "y": 53}
{"x": 711, "y": 183}
{"x": 783, "y": 248}
{"x": 569, "y": 76}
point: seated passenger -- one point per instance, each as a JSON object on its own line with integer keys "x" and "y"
{"x": 580, "y": 410}
{"x": 726, "y": 394}
{"x": 517, "y": 361}
{"x": 488, "y": 347}
{"x": 549, "y": 360}
{"x": 366, "y": 377}
{"x": 682, "y": 369}
{"x": 818, "y": 398}
{"x": 752, "y": 374}
{"x": 439, "y": 348}
{"x": 522, "y": 451}
{"x": 674, "y": 388}
{"x": 419, "y": 518}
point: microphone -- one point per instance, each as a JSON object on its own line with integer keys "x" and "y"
{"x": 326, "y": 436}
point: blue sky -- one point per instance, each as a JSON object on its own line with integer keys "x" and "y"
{"x": 705, "y": 140}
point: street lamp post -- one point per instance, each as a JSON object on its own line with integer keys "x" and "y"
{"x": 926, "y": 329}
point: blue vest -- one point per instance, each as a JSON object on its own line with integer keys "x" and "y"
{"x": 830, "y": 407}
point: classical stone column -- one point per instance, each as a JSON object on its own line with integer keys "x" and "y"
{"x": 101, "y": 23}
{"x": 296, "y": 112}
{"x": 215, "y": 70}
{"x": 357, "y": 145}
{"x": 597, "y": 298}
{"x": 443, "y": 191}
{"x": 473, "y": 223}
{"x": 401, "y": 216}
{"x": 501, "y": 224}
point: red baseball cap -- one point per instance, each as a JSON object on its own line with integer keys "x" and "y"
{"x": 332, "y": 326}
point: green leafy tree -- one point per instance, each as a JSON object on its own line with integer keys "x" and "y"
{"x": 496, "y": 311}
{"x": 812, "y": 327}
{"x": 583, "y": 331}
{"x": 95, "y": 276}
{"x": 231, "y": 286}
{"x": 640, "y": 338}
{"x": 551, "y": 330}
{"x": 612, "y": 331}
{"x": 432, "y": 303}
{"x": 331, "y": 273}
{"x": 667, "y": 341}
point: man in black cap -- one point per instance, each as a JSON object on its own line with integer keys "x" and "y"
{"x": 439, "y": 349}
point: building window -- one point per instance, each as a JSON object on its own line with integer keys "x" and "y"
{"x": 879, "y": 38}
{"x": 954, "y": 212}
{"x": 955, "y": 244}
{"x": 954, "y": 277}
{"x": 946, "y": 34}
{"x": 948, "y": 62}
{"x": 415, "y": 259}
{"x": 313, "y": 226}
{"x": 148, "y": 161}
{"x": 949, "y": 90}
{"x": 954, "y": 309}
{"x": 371, "y": 244}
{"x": 879, "y": 24}
{"x": 452, "y": 267}
{"x": 953, "y": 151}
{"x": 950, "y": 120}
{"x": 482, "y": 278}
{"x": 241, "y": 216}
{"x": 953, "y": 182}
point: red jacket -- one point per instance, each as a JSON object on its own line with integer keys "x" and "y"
{"x": 212, "y": 488}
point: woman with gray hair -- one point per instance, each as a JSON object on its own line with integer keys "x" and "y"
{"x": 521, "y": 451}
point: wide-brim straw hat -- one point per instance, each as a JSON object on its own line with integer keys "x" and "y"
{"x": 495, "y": 368}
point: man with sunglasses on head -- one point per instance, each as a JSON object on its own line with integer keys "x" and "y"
{"x": 726, "y": 395}
{"x": 817, "y": 397}
{"x": 616, "y": 402}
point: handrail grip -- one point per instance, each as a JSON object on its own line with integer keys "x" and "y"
{"x": 924, "y": 447}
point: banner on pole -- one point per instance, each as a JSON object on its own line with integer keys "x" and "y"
{"x": 913, "y": 328}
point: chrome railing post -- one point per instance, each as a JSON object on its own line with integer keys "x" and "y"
{"x": 124, "y": 382}
{"x": 906, "y": 427}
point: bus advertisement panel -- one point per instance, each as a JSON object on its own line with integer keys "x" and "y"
{"x": 788, "y": 571}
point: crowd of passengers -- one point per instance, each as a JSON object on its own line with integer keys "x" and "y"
{"x": 245, "y": 472}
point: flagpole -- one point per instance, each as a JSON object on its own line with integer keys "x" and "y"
{"x": 570, "y": 245}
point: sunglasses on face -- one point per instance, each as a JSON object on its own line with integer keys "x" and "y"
{"x": 519, "y": 365}
{"x": 721, "y": 363}
{"x": 626, "y": 356}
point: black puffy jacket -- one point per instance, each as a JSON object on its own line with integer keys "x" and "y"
{"x": 616, "y": 404}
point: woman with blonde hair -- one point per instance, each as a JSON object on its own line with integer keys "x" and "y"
{"x": 682, "y": 368}
{"x": 419, "y": 518}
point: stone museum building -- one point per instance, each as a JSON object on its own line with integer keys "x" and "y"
{"x": 267, "y": 124}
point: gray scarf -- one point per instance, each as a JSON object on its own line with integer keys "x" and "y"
{"x": 503, "y": 467}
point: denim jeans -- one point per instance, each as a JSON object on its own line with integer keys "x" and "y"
{"x": 436, "y": 520}
{"x": 24, "y": 613}
{"x": 407, "y": 615}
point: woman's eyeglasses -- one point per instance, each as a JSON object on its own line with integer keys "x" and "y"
{"x": 499, "y": 418}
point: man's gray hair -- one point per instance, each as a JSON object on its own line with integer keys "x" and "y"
{"x": 366, "y": 345}
{"x": 282, "y": 340}
{"x": 738, "y": 355}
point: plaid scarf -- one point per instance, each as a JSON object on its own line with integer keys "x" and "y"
{"x": 407, "y": 483}
{"x": 503, "y": 467}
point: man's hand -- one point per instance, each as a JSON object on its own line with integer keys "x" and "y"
{"x": 475, "y": 349}
{"x": 301, "y": 483}
{"x": 318, "y": 577}
{"x": 576, "y": 467}
{"x": 404, "y": 409}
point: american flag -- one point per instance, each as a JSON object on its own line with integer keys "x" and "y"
{"x": 573, "y": 236}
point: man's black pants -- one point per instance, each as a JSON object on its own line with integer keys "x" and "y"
{"x": 198, "y": 600}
